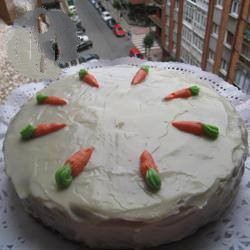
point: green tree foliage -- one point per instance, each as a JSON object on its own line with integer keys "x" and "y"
{"x": 148, "y": 43}
{"x": 117, "y": 4}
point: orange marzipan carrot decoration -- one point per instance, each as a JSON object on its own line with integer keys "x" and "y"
{"x": 140, "y": 75}
{"x": 47, "y": 128}
{"x": 79, "y": 160}
{"x": 88, "y": 78}
{"x": 54, "y": 100}
{"x": 182, "y": 93}
{"x": 91, "y": 80}
{"x": 51, "y": 100}
{"x": 146, "y": 162}
{"x": 189, "y": 126}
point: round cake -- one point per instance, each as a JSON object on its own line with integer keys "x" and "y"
{"x": 111, "y": 203}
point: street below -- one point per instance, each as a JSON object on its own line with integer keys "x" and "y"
{"x": 105, "y": 43}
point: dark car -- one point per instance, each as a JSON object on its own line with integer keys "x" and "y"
{"x": 73, "y": 63}
{"x": 90, "y": 57}
{"x": 80, "y": 32}
{"x": 63, "y": 65}
{"x": 81, "y": 59}
{"x": 84, "y": 45}
{"x": 79, "y": 27}
{"x": 111, "y": 23}
{"x": 101, "y": 9}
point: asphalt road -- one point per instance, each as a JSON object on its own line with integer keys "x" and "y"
{"x": 105, "y": 43}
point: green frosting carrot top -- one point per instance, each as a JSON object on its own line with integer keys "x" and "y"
{"x": 82, "y": 73}
{"x": 145, "y": 68}
{"x": 210, "y": 130}
{"x": 153, "y": 179}
{"x": 28, "y": 132}
{"x": 63, "y": 176}
{"x": 194, "y": 90}
{"x": 40, "y": 98}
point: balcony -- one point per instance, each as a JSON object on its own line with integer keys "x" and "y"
{"x": 155, "y": 19}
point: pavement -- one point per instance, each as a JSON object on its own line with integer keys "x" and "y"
{"x": 105, "y": 43}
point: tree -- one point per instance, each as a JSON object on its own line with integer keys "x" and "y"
{"x": 118, "y": 6}
{"x": 148, "y": 43}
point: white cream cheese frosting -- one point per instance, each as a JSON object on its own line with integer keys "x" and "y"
{"x": 120, "y": 121}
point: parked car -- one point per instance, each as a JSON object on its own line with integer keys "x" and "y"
{"x": 106, "y": 16}
{"x": 79, "y": 60}
{"x": 73, "y": 63}
{"x": 79, "y": 27}
{"x": 84, "y": 45}
{"x": 101, "y": 9}
{"x": 91, "y": 57}
{"x": 75, "y": 19}
{"x": 135, "y": 52}
{"x": 80, "y": 32}
{"x": 93, "y": 1}
{"x": 111, "y": 23}
{"x": 72, "y": 9}
{"x": 83, "y": 38}
{"x": 63, "y": 65}
{"x": 97, "y": 4}
{"x": 118, "y": 30}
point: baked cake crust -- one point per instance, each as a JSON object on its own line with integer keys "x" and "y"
{"x": 108, "y": 205}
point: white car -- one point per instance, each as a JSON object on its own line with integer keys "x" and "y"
{"x": 75, "y": 19}
{"x": 83, "y": 38}
{"x": 72, "y": 9}
{"x": 106, "y": 16}
{"x": 93, "y": 1}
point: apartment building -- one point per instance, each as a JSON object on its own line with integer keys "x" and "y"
{"x": 212, "y": 34}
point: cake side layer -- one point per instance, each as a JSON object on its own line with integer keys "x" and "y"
{"x": 129, "y": 234}
{"x": 120, "y": 121}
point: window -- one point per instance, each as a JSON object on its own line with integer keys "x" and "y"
{"x": 197, "y": 42}
{"x": 211, "y": 55}
{"x": 185, "y": 55}
{"x": 229, "y": 37}
{"x": 245, "y": 50}
{"x": 188, "y": 12}
{"x": 219, "y": 3}
{"x": 187, "y": 35}
{"x": 177, "y": 4}
{"x": 200, "y": 20}
{"x": 242, "y": 80}
{"x": 235, "y": 7}
{"x": 224, "y": 66}
{"x": 215, "y": 29}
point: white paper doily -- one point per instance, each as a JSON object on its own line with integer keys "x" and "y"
{"x": 20, "y": 232}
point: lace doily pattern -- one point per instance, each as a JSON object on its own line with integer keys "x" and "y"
{"x": 19, "y": 231}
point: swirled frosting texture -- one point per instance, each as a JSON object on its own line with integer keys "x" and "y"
{"x": 121, "y": 121}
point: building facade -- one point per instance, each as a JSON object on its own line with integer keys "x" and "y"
{"x": 211, "y": 34}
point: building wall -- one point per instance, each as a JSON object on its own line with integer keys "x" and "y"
{"x": 220, "y": 51}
